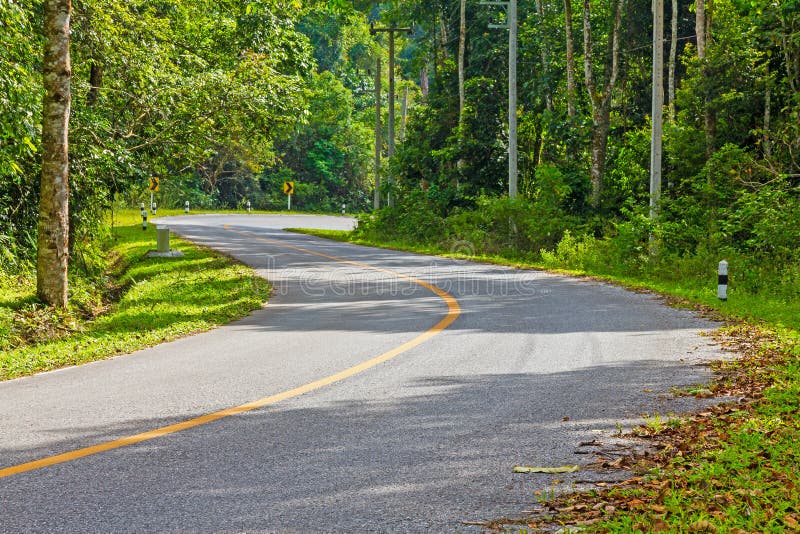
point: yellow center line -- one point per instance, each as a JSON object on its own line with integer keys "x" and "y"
{"x": 453, "y": 311}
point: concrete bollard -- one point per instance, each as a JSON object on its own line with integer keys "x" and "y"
{"x": 186, "y": 207}
{"x": 162, "y": 238}
{"x": 722, "y": 280}
{"x": 248, "y": 206}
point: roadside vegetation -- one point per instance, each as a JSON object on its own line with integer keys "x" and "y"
{"x": 122, "y": 301}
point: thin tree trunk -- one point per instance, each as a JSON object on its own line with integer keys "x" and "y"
{"x": 673, "y": 53}
{"x": 601, "y": 98}
{"x": 710, "y": 118}
{"x": 435, "y": 45}
{"x": 548, "y": 95}
{"x": 601, "y": 120}
{"x": 462, "y": 41}
{"x": 443, "y": 36}
{"x": 570, "y": 59}
{"x": 53, "y": 224}
{"x": 792, "y": 64}
{"x": 700, "y": 28}
{"x": 767, "y": 139}
{"x": 95, "y": 83}
{"x": 403, "y": 114}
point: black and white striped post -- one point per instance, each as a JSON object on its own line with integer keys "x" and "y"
{"x": 722, "y": 280}
{"x": 144, "y": 216}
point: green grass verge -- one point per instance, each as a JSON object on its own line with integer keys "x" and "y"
{"x": 157, "y": 300}
{"x": 732, "y": 469}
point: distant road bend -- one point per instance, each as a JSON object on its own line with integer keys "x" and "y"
{"x": 378, "y": 391}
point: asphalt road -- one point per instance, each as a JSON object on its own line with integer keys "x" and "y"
{"x": 495, "y": 367}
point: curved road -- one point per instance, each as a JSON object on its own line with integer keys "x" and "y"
{"x": 394, "y": 393}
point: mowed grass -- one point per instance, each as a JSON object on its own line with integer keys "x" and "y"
{"x": 731, "y": 469}
{"x": 153, "y": 300}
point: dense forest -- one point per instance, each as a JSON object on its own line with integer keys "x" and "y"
{"x": 225, "y": 100}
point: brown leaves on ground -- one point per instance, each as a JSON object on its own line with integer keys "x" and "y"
{"x": 751, "y": 373}
{"x": 744, "y": 378}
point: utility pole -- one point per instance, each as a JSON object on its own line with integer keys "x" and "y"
{"x": 511, "y": 26}
{"x": 391, "y": 31}
{"x": 657, "y": 113}
{"x": 378, "y": 141}
{"x": 403, "y": 114}
{"x": 512, "y": 98}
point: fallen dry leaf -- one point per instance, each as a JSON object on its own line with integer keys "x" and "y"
{"x": 702, "y": 526}
{"x": 659, "y": 525}
{"x": 533, "y": 469}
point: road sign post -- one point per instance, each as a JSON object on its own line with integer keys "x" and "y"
{"x": 153, "y": 188}
{"x": 288, "y": 188}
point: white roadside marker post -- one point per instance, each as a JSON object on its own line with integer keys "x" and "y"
{"x": 722, "y": 280}
{"x": 248, "y": 206}
{"x": 186, "y": 207}
{"x": 144, "y": 216}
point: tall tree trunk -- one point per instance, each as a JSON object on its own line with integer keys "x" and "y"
{"x": 600, "y": 98}
{"x": 570, "y": 59}
{"x": 443, "y": 36}
{"x": 767, "y": 139}
{"x": 462, "y": 41}
{"x": 673, "y": 52}
{"x": 53, "y": 224}
{"x": 95, "y": 83}
{"x": 791, "y": 61}
{"x": 435, "y": 45}
{"x": 403, "y": 114}
{"x": 700, "y": 28}
{"x": 711, "y": 114}
{"x": 548, "y": 95}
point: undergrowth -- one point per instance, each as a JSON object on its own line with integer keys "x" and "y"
{"x": 122, "y": 301}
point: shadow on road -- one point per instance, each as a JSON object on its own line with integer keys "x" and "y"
{"x": 428, "y": 455}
